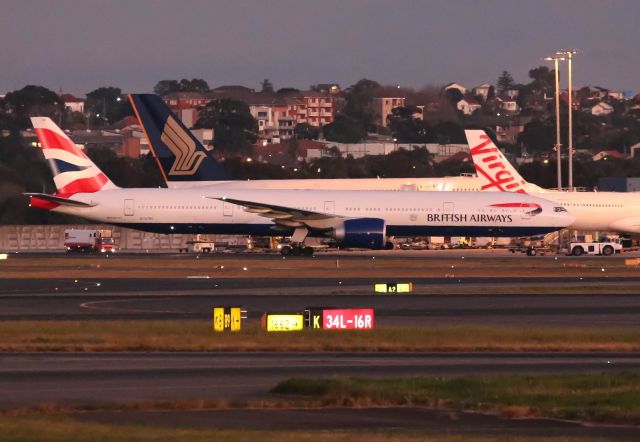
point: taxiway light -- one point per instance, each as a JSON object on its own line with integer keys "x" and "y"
{"x": 282, "y": 322}
{"x": 393, "y": 287}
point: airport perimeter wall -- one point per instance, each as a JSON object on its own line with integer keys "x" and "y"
{"x": 51, "y": 237}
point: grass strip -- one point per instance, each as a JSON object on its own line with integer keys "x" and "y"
{"x": 501, "y": 264}
{"x": 62, "y": 428}
{"x": 95, "y": 336}
{"x": 599, "y": 398}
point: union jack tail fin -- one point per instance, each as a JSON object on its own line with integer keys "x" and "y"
{"x": 73, "y": 172}
{"x": 493, "y": 168}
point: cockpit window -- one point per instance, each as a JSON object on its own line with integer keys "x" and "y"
{"x": 559, "y": 209}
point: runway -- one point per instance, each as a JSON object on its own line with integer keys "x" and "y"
{"x": 78, "y": 379}
{"x": 411, "y": 309}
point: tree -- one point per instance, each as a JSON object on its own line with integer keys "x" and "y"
{"x": 543, "y": 77}
{"x": 344, "y": 129}
{"x": 193, "y": 85}
{"x": 454, "y": 95}
{"x": 267, "y": 86}
{"x": 287, "y": 90}
{"x": 406, "y": 128}
{"x": 305, "y": 131}
{"x": 31, "y": 101}
{"x": 107, "y": 105}
{"x": 164, "y": 87}
{"x": 235, "y": 130}
{"x": 505, "y": 81}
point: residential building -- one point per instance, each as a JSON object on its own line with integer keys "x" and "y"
{"x": 185, "y": 105}
{"x": 482, "y": 90}
{"x": 468, "y": 106}
{"x": 508, "y": 105}
{"x": 72, "y": 103}
{"x": 462, "y": 89}
{"x": 602, "y": 108}
{"x": 382, "y": 107}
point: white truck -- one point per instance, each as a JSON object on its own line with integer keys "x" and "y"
{"x": 89, "y": 240}
{"x": 199, "y": 244}
{"x": 605, "y": 248}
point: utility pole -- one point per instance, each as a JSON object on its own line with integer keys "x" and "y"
{"x": 555, "y": 59}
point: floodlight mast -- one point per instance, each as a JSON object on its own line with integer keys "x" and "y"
{"x": 556, "y": 59}
{"x": 569, "y": 53}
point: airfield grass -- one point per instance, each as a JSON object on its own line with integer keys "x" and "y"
{"x": 150, "y": 336}
{"x": 597, "y": 398}
{"x": 64, "y": 428}
{"x": 255, "y": 266}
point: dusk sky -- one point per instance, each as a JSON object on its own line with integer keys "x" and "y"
{"x": 79, "y": 45}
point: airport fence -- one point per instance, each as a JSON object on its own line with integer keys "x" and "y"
{"x": 51, "y": 238}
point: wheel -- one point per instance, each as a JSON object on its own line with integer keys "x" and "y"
{"x": 285, "y": 251}
{"x": 532, "y": 252}
{"x": 307, "y": 251}
{"x": 388, "y": 245}
{"x": 607, "y": 250}
{"x": 296, "y": 251}
{"x": 577, "y": 251}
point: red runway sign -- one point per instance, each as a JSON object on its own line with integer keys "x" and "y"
{"x": 348, "y": 319}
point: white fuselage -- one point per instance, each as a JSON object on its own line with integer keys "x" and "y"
{"x": 597, "y": 211}
{"x": 404, "y": 213}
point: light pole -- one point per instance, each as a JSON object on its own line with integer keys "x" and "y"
{"x": 556, "y": 59}
{"x": 570, "y": 53}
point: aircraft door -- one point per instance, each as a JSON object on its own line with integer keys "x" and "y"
{"x": 227, "y": 209}
{"x": 447, "y": 208}
{"x": 128, "y": 207}
{"x": 329, "y": 206}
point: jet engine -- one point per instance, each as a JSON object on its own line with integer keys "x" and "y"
{"x": 365, "y": 233}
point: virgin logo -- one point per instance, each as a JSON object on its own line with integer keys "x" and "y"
{"x": 490, "y": 164}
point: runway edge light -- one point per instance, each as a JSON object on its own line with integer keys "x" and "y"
{"x": 228, "y": 319}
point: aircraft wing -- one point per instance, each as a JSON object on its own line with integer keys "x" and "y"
{"x": 286, "y": 216}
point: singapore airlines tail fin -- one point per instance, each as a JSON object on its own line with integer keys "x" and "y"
{"x": 73, "y": 172}
{"x": 493, "y": 168}
{"x": 180, "y": 155}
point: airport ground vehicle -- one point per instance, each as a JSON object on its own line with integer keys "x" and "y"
{"x": 199, "y": 244}
{"x": 89, "y": 240}
{"x": 606, "y": 248}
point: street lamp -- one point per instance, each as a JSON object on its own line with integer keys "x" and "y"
{"x": 569, "y": 53}
{"x": 556, "y": 59}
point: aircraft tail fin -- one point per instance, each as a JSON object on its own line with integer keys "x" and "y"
{"x": 73, "y": 171}
{"x": 494, "y": 170}
{"x": 180, "y": 155}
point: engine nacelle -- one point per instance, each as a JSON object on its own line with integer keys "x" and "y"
{"x": 365, "y": 233}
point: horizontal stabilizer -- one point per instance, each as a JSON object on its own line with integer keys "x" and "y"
{"x": 58, "y": 200}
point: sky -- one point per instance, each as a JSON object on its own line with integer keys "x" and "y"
{"x": 79, "y": 45}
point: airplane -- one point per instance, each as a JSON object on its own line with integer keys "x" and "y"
{"x": 356, "y": 218}
{"x": 185, "y": 163}
{"x": 594, "y": 211}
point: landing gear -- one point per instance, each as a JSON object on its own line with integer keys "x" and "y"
{"x": 297, "y": 250}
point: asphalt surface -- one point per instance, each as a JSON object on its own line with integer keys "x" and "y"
{"x": 189, "y": 299}
{"x": 85, "y": 379}
{"x": 389, "y": 420}
{"x": 97, "y": 378}
{"x": 28, "y": 379}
